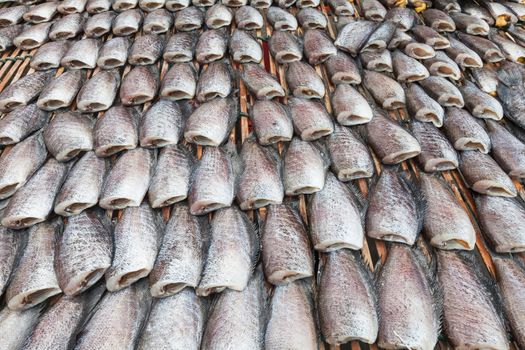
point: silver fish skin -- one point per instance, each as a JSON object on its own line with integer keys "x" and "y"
{"x": 184, "y": 332}
{"x": 380, "y": 38}
{"x": 82, "y": 187}
{"x": 99, "y": 24}
{"x": 341, "y": 8}
{"x": 311, "y": 18}
{"x": 379, "y": 62}
{"x": 211, "y": 122}
{"x": 218, "y": 16}
{"x": 443, "y": 66}
{"x": 157, "y": 22}
{"x": 82, "y": 54}
{"x": 410, "y": 316}
{"x": 248, "y": 18}
{"x": 261, "y": 4}
{"x": 350, "y": 107}
{"x": 33, "y": 36}
{"x": 161, "y": 125}
{"x": 439, "y": 20}
{"x": 345, "y": 273}
{"x": 61, "y": 91}
{"x": 479, "y": 103}
{"x": 20, "y": 163}
{"x": 446, "y": 224}
{"x": 385, "y": 90}
{"x": 116, "y": 131}
{"x": 303, "y": 81}
{"x": 502, "y": 15}
{"x": 404, "y": 17}
{"x": 417, "y": 50}
{"x": 99, "y": 92}
{"x": 304, "y": 168}
{"x": 483, "y": 175}
{"x": 211, "y": 45}
{"x": 12, "y": 245}
{"x": 408, "y": 69}
{"x": 467, "y": 301}
{"x": 146, "y": 49}
{"x": 286, "y": 251}
{"x": 465, "y": 132}
{"x": 470, "y": 24}
{"x": 212, "y": 185}
{"x": 507, "y": 149}
{"x": 40, "y": 13}
{"x": 68, "y": 134}
{"x": 127, "y": 22}
{"x": 485, "y": 48}
{"x": 21, "y": 92}
{"x": 18, "y": 124}
{"x": 244, "y": 48}
{"x": 140, "y": 85}
{"x": 390, "y": 142}
{"x": 478, "y": 11}
{"x": 373, "y": 10}
{"x": 285, "y": 47}
{"x": 17, "y": 326}
{"x": 98, "y": 6}
{"x": 127, "y": 182}
{"x": 500, "y": 218}
{"x": 437, "y": 153}
{"x": 124, "y": 5}
{"x": 232, "y": 253}
{"x": 151, "y": 5}
{"x": 189, "y": 18}
{"x": 422, "y": 107}
{"x": 260, "y": 179}
{"x": 384, "y": 219}
{"x": 12, "y": 15}
{"x": 334, "y": 217}
{"x": 114, "y": 53}
{"x": 281, "y": 19}
{"x": 509, "y": 90}
{"x": 261, "y": 83}
{"x": 443, "y": 91}
{"x": 8, "y": 34}
{"x": 447, "y": 6}
{"x": 180, "y": 47}
{"x": 215, "y": 81}
{"x": 237, "y": 319}
{"x": 117, "y": 320}
{"x": 310, "y": 119}
{"x": 67, "y": 27}
{"x": 171, "y": 181}
{"x": 354, "y": 35}
{"x": 181, "y": 257}
{"x": 486, "y": 79}
{"x": 271, "y": 122}
{"x": 33, "y": 202}
{"x": 463, "y": 55}
{"x": 180, "y": 82}
{"x": 517, "y": 8}
{"x": 517, "y": 33}
{"x": 402, "y": 39}
{"x": 177, "y": 5}
{"x": 430, "y": 37}
{"x": 34, "y": 278}
{"x": 72, "y": 6}
{"x": 318, "y": 46}
{"x": 342, "y": 69}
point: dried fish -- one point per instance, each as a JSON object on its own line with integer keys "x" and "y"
{"x": 261, "y": 83}
{"x": 437, "y": 153}
{"x": 248, "y": 18}
{"x": 99, "y": 24}
{"x": 218, "y": 16}
{"x": 303, "y": 81}
{"x": 8, "y": 34}
{"x": 116, "y": 131}
{"x": 177, "y": 5}
{"x": 82, "y": 54}
{"x": 385, "y": 90}
{"x": 140, "y": 85}
{"x": 157, "y": 22}
{"x": 486, "y": 79}
{"x": 99, "y": 92}
{"x": 510, "y": 91}
{"x": 463, "y": 55}
{"x": 12, "y": 15}
{"x": 507, "y": 149}
{"x": 67, "y": 27}
{"x": 443, "y": 91}
{"x": 311, "y": 18}
{"x": 379, "y": 62}
{"x": 354, "y": 35}
{"x": 350, "y": 107}
{"x": 215, "y": 81}
{"x": 13, "y": 244}
{"x": 271, "y": 122}
{"x": 281, "y": 19}
{"x": 98, "y": 6}
{"x": 439, "y": 20}
{"x": 422, "y": 107}
{"x": 373, "y": 10}
{"x": 318, "y": 46}
{"x": 443, "y": 66}
{"x": 304, "y": 168}
{"x": 114, "y": 53}
{"x": 21, "y": 92}
{"x": 123, "y": 5}
{"x": 485, "y": 48}
{"x": 244, "y": 48}
{"x": 127, "y": 22}
{"x": 380, "y": 38}
{"x": 404, "y": 17}
{"x": 310, "y": 119}
{"x": 21, "y": 122}
{"x": 430, "y": 37}
{"x": 479, "y": 103}
{"x": 285, "y": 47}
{"x": 189, "y": 18}
{"x": 417, "y": 50}
{"x": 341, "y": 8}
{"x": 61, "y": 91}
{"x": 161, "y": 125}
{"x": 470, "y": 24}
{"x": 41, "y": 13}
{"x": 180, "y": 47}
{"x": 146, "y": 49}
{"x": 342, "y": 69}
{"x": 17, "y": 326}
{"x": 33, "y": 37}
{"x": 211, "y": 45}
{"x": 465, "y": 132}
{"x": 71, "y": 6}
{"x": 151, "y": 5}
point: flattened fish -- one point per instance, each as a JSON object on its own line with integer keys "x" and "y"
{"x": 379, "y": 62}
{"x": 161, "y": 125}
{"x": 116, "y": 131}
{"x": 437, "y": 153}
{"x": 408, "y": 69}
{"x": 189, "y": 18}
{"x": 385, "y": 90}
{"x": 271, "y": 122}
{"x": 211, "y": 45}
{"x": 465, "y": 132}
{"x": 470, "y": 24}
{"x": 318, "y": 46}
{"x": 151, "y": 5}
{"x": 510, "y": 91}
{"x": 380, "y": 38}
{"x": 341, "y": 7}
{"x": 72, "y": 6}
{"x": 443, "y": 91}
{"x": 422, "y": 107}
{"x": 146, "y": 49}
{"x": 443, "y": 66}
{"x": 342, "y": 69}
{"x": 430, "y": 37}
{"x": 281, "y": 19}
{"x": 486, "y": 79}
{"x": 33, "y": 36}
{"x": 179, "y": 82}
{"x": 218, "y": 16}
{"x": 310, "y": 118}
{"x": 40, "y": 13}
{"x": 304, "y": 168}
{"x": 12, "y": 15}
{"x": 98, "y": 6}
{"x": 479, "y": 103}
{"x": 354, "y": 35}
{"x": 373, "y": 10}
{"x": 67, "y": 27}
{"x": 439, "y": 20}
{"x": 157, "y": 22}
{"x": 61, "y": 91}
{"x": 261, "y": 83}
{"x": 127, "y": 22}
{"x": 140, "y": 85}
{"x": 417, "y": 50}
{"x": 82, "y": 54}
{"x": 507, "y": 149}
{"x": 24, "y": 90}
{"x": 114, "y": 53}
{"x": 99, "y": 24}
{"x": 303, "y": 81}
{"x": 244, "y": 48}
{"x": 13, "y": 244}
{"x": 17, "y": 326}
{"x": 485, "y": 48}
{"x": 215, "y": 81}
{"x": 404, "y": 17}
{"x": 99, "y": 92}
{"x": 8, "y": 34}
{"x": 311, "y": 18}
{"x": 248, "y": 18}
{"x": 177, "y": 5}
{"x": 463, "y": 55}
{"x": 180, "y": 47}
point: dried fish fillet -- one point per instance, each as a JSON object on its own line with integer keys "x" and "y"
{"x": 463, "y": 55}
{"x": 146, "y": 49}
{"x": 61, "y": 91}
{"x": 82, "y": 54}
{"x": 99, "y": 24}
{"x": 215, "y": 81}
{"x": 98, "y": 6}
{"x": 261, "y": 83}
{"x": 485, "y": 48}
{"x": 303, "y": 81}
{"x": 114, "y": 53}
{"x": 408, "y": 69}
{"x": 350, "y": 107}
{"x": 437, "y": 153}
{"x": 244, "y": 48}
{"x": 304, "y": 168}
{"x": 422, "y": 107}
{"x": 24, "y": 90}
{"x": 99, "y": 92}
{"x": 281, "y": 19}
{"x": 67, "y": 27}
{"x": 180, "y": 47}
{"x": 379, "y": 62}
{"x": 71, "y": 6}
{"x": 13, "y": 244}
{"x": 189, "y": 18}
{"x": 179, "y": 82}
{"x": 354, "y": 35}
{"x": 12, "y": 15}
{"x": 350, "y": 158}
{"x": 211, "y": 45}
{"x": 157, "y": 22}
{"x": 17, "y": 326}
{"x": 443, "y": 66}
{"x": 116, "y": 131}
{"x": 342, "y": 69}
{"x": 479, "y": 103}
{"x": 310, "y": 118}
{"x": 161, "y": 125}
{"x": 271, "y": 122}
{"x": 443, "y": 91}
{"x": 140, "y": 85}
{"x": 465, "y": 132}
{"x": 40, "y": 13}
{"x": 248, "y": 18}
{"x": 127, "y": 22}
{"x": 311, "y": 18}
{"x": 33, "y": 37}
{"x": 18, "y": 124}
{"x": 430, "y": 37}
{"x": 507, "y": 149}
{"x": 218, "y": 16}
{"x": 385, "y": 90}
{"x": 8, "y": 34}
{"x": 318, "y": 46}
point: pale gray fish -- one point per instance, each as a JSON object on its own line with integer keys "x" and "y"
{"x": 211, "y": 45}
{"x": 380, "y": 37}
{"x": 127, "y": 22}
{"x": 20, "y": 163}
{"x": 218, "y": 16}
{"x": 237, "y": 319}
{"x": 32, "y": 36}
{"x": 271, "y": 122}
{"x": 34, "y": 279}
{"x": 114, "y": 53}
{"x": 401, "y": 39}
{"x": 304, "y": 168}
{"x": 98, "y": 6}
{"x": 517, "y": 33}
{"x": 446, "y": 223}
{"x": 344, "y": 273}
{"x": 82, "y": 54}
{"x": 349, "y": 156}
{"x": 184, "y": 332}
{"x": 408, "y": 69}
{"x": 180, "y": 47}
{"x": 318, "y": 46}
{"x": 438, "y": 20}
{"x": 124, "y": 5}
{"x": 474, "y": 9}
{"x": 127, "y": 182}
{"x": 8, "y": 34}
{"x": 158, "y": 21}
{"x": 82, "y": 187}
{"x": 176, "y": 5}
{"x": 479, "y": 103}
{"x": 68, "y": 134}
{"x": 12, "y": 245}
{"x": 99, "y": 92}
{"x": 181, "y": 257}
{"x": 99, "y": 24}
{"x": 117, "y": 320}
{"x": 17, "y": 326}
{"x": 430, "y": 37}
{"x": 310, "y": 118}
{"x": 379, "y": 62}
{"x": 502, "y": 15}
{"x": 448, "y": 6}
{"x": 485, "y": 48}
{"x": 189, "y": 18}
{"x": 244, "y": 48}
{"x": 285, "y": 47}
{"x": 470, "y": 24}
{"x": 146, "y": 49}
{"x": 443, "y": 91}
{"x": 21, "y": 92}
{"x": 43, "y": 12}
{"x": 483, "y": 175}
{"x": 260, "y": 82}
{"x": 311, "y": 18}
{"x": 463, "y": 55}
{"x": 161, "y": 125}
{"x": 116, "y": 131}
{"x": 232, "y": 253}
{"x": 171, "y": 180}
{"x": 211, "y": 122}
{"x": 214, "y": 81}
{"x": 72, "y": 6}
{"x": 407, "y": 301}
{"x": 334, "y": 218}
{"x": 386, "y": 91}
{"x": 465, "y": 132}
{"x": 33, "y": 202}
{"x": 285, "y": 3}
{"x": 12, "y": 15}
{"x": 140, "y": 85}
{"x": 281, "y": 19}
{"x": 417, "y": 50}
{"x": 507, "y": 149}
{"x": 303, "y": 81}
{"x": 471, "y": 316}
{"x": 248, "y": 18}
{"x": 21, "y": 122}
{"x": 137, "y": 238}
{"x": 422, "y": 107}
{"x": 404, "y": 17}
{"x": 391, "y": 142}
{"x": 213, "y": 180}
{"x": 61, "y": 91}
{"x": 151, "y": 5}
{"x": 443, "y": 66}
{"x": 341, "y": 8}
{"x": 261, "y": 4}
{"x": 486, "y": 79}
{"x": 342, "y": 69}
{"x": 437, "y": 153}
{"x": 500, "y": 221}
{"x": 373, "y": 10}
{"x": 67, "y": 27}
{"x": 517, "y": 9}
{"x": 350, "y": 107}
{"x": 510, "y": 91}
{"x": 354, "y": 35}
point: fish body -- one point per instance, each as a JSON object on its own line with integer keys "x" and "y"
{"x": 161, "y": 125}
{"x": 127, "y": 22}
{"x": 437, "y": 153}
{"x": 140, "y": 85}
{"x": 99, "y": 92}
{"x": 443, "y": 91}
{"x": 422, "y": 107}
{"x": 507, "y": 149}
{"x": 310, "y": 118}
{"x": 261, "y": 83}
{"x": 146, "y": 49}
{"x": 350, "y": 107}
{"x": 61, "y": 91}
{"x": 12, "y": 245}
{"x": 82, "y": 54}
{"x": 179, "y": 82}
{"x": 465, "y": 132}
{"x": 99, "y": 24}
{"x": 21, "y": 92}
{"x": 303, "y": 81}
{"x": 116, "y": 131}
{"x": 271, "y": 122}
{"x": 385, "y": 90}
{"x": 157, "y": 21}
{"x": 304, "y": 168}
{"x": 215, "y": 81}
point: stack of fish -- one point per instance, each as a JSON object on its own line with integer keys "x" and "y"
{"x": 212, "y": 175}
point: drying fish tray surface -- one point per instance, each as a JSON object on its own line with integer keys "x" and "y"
{"x": 232, "y": 175}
